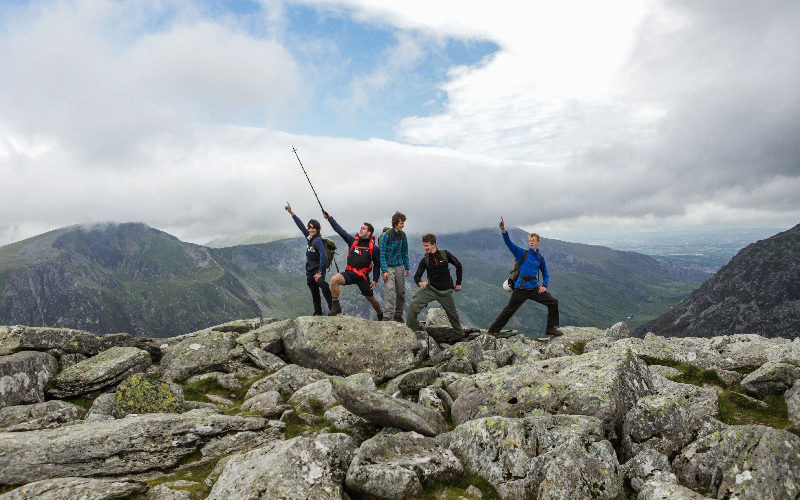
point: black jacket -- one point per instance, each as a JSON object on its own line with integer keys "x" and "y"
{"x": 438, "y": 270}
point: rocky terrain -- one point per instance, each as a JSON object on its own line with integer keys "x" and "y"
{"x": 342, "y": 407}
{"x": 758, "y": 291}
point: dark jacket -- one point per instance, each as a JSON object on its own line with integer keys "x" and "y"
{"x": 316, "y": 256}
{"x": 530, "y": 267}
{"x": 349, "y": 239}
{"x": 438, "y": 270}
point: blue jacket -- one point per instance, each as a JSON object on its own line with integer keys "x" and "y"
{"x": 530, "y": 267}
{"x": 316, "y": 256}
{"x": 394, "y": 250}
{"x": 349, "y": 239}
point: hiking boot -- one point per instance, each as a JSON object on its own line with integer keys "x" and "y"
{"x": 399, "y": 319}
{"x": 553, "y": 332}
{"x": 335, "y": 309}
{"x": 380, "y": 316}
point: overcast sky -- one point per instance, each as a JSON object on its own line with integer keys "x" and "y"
{"x": 564, "y": 117}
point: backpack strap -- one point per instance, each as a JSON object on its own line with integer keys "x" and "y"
{"x": 364, "y": 273}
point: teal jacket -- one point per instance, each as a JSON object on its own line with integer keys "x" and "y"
{"x": 394, "y": 250}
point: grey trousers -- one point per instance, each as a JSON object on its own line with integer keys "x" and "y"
{"x": 395, "y": 296}
{"x": 425, "y": 296}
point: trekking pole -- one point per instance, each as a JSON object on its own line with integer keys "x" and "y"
{"x": 309, "y": 180}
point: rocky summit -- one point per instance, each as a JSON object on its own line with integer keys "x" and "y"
{"x": 346, "y": 408}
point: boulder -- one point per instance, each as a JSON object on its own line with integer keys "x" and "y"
{"x": 286, "y": 381}
{"x": 241, "y": 441}
{"x": 411, "y": 382}
{"x": 647, "y": 465}
{"x": 264, "y": 360}
{"x": 107, "y": 368}
{"x": 744, "y": 462}
{"x": 604, "y": 384}
{"x": 242, "y": 325}
{"x": 24, "y": 376}
{"x": 68, "y": 341}
{"x": 792, "y": 397}
{"x": 700, "y": 401}
{"x": 657, "y": 422}
{"x": 113, "y": 447}
{"x": 226, "y": 381}
{"x": 146, "y": 394}
{"x": 170, "y": 491}
{"x": 268, "y": 337}
{"x": 665, "y": 490}
{"x": 375, "y": 407}
{"x": 268, "y": 404}
{"x": 397, "y": 466}
{"x": 574, "y": 339}
{"x": 200, "y": 352}
{"x": 344, "y": 345}
{"x": 542, "y": 456}
{"x": 316, "y": 398}
{"x": 104, "y": 407}
{"x": 46, "y": 415}
{"x": 344, "y": 420}
{"x": 298, "y": 468}
{"x": 77, "y": 487}
{"x": 773, "y": 377}
{"x": 438, "y": 326}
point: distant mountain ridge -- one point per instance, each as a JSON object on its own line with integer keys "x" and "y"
{"x": 133, "y": 278}
{"x": 758, "y": 291}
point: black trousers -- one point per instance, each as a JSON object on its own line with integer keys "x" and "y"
{"x": 518, "y": 297}
{"x": 315, "y": 286}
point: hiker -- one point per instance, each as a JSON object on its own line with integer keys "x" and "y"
{"x": 439, "y": 286}
{"x": 362, "y": 257}
{"x": 317, "y": 261}
{"x": 526, "y": 287}
{"x": 395, "y": 267}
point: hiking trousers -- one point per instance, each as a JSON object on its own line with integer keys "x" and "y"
{"x": 425, "y": 296}
{"x": 395, "y": 296}
{"x": 315, "y": 286}
{"x": 518, "y": 297}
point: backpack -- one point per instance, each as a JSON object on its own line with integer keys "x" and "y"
{"x": 364, "y": 271}
{"x": 515, "y": 270}
{"x": 427, "y": 257}
{"x": 386, "y": 230}
{"x": 330, "y": 250}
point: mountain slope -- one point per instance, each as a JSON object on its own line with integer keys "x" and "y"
{"x": 758, "y": 291}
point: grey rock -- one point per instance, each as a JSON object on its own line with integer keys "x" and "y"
{"x": 316, "y": 397}
{"x": 219, "y": 400}
{"x": 226, "y": 381}
{"x": 141, "y": 393}
{"x": 105, "y": 369}
{"x": 65, "y": 340}
{"x": 269, "y": 404}
{"x": 646, "y": 465}
{"x": 268, "y": 337}
{"x": 44, "y": 415}
{"x": 664, "y": 371}
{"x": 165, "y": 492}
{"x": 619, "y": 331}
{"x": 263, "y": 359}
{"x": 411, "y": 382}
{"x": 438, "y": 326}
{"x": 572, "y": 339}
{"x": 773, "y": 377}
{"x": 792, "y": 397}
{"x": 242, "y": 441}
{"x": 344, "y": 345}
{"x": 430, "y": 399}
{"x": 76, "y": 487}
{"x": 385, "y": 411}
{"x": 397, "y": 466}
{"x": 667, "y": 490}
{"x": 743, "y": 461}
{"x": 104, "y": 407}
{"x": 657, "y": 422}
{"x": 67, "y": 360}
{"x": 344, "y": 420}
{"x": 286, "y": 381}
{"x": 24, "y": 376}
{"x": 298, "y": 468}
{"x": 605, "y": 384}
{"x": 701, "y": 401}
{"x": 199, "y": 352}
{"x": 129, "y": 445}
{"x": 525, "y": 350}
{"x": 546, "y": 456}
{"x": 242, "y": 325}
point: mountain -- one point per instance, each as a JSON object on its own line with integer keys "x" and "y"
{"x": 133, "y": 278}
{"x": 758, "y": 291}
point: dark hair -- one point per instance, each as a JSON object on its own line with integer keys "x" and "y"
{"x": 315, "y": 224}
{"x": 397, "y": 218}
{"x": 429, "y": 238}
{"x": 369, "y": 226}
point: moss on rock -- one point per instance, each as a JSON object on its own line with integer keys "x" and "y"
{"x": 144, "y": 394}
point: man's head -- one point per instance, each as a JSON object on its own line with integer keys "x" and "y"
{"x": 398, "y": 221}
{"x": 429, "y": 243}
{"x": 533, "y": 241}
{"x": 314, "y": 227}
{"x": 366, "y": 230}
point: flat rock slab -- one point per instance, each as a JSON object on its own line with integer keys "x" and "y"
{"x": 605, "y": 384}
{"x": 107, "y": 368}
{"x": 201, "y": 352}
{"x": 397, "y": 466}
{"x": 344, "y": 345}
{"x": 44, "y": 415}
{"x": 23, "y": 377}
{"x": 542, "y": 457}
{"x": 113, "y": 447}
{"x": 66, "y": 340}
{"x": 748, "y": 462}
{"x": 286, "y": 381}
{"x": 298, "y": 468}
{"x": 76, "y": 487}
{"x": 380, "y": 409}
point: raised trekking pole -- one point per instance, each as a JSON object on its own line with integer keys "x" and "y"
{"x": 309, "y": 180}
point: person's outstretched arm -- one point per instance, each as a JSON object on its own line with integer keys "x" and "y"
{"x": 347, "y": 237}
{"x": 297, "y": 220}
{"x": 517, "y": 251}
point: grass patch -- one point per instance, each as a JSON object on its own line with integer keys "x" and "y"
{"x": 8, "y": 487}
{"x": 745, "y": 370}
{"x": 458, "y": 489}
{"x": 295, "y": 426}
{"x": 696, "y": 376}
{"x": 193, "y": 474}
{"x": 737, "y": 410}
{"x": 578, "y": 348}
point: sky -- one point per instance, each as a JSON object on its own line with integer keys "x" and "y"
{"x": 572, "y": 117}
